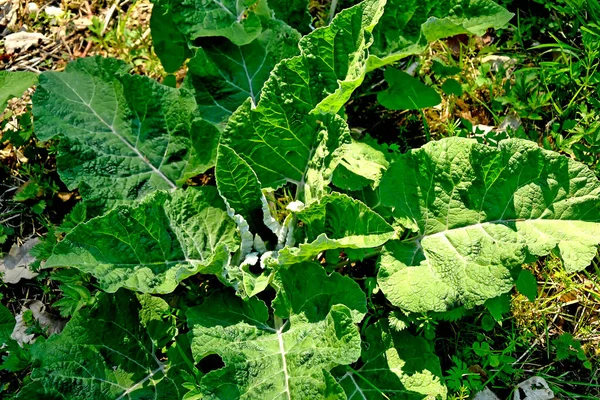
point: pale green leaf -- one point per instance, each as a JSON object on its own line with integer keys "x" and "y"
{"x": 123, "y": 136}
{"x": 408, "y": 25}
{"x": 406, "y": 92}
{"x": 152, "y": 246}
{"x": 223, "y": 75}
{"x": 337, "y": 221}
{"x": 284, "y": 139}
{"x": 394, "y": 365}
{"x": 109, "y": 352}
{"x": 479, "y": 212}
{"x": 360, "y": 165}
{"x": 288, "y": 361}
{"x": 14, "y": 84}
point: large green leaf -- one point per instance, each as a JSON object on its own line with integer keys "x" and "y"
{"x": 14, "y": 84}
{"x": 152, "y": 246}
{"x": 394, "y": 365}
{"x": 237, "y": 20}
{"x": 337, "y": 221}
{"x": 109, "y": 352}
{"x": 223, "y": 75}
{"x": 291, "y": 359}
{"x": 479, "y": 211}
{"x": 408, "y": 25}
{"x": 123, "y": 136}
{"x": 293, "y": 131}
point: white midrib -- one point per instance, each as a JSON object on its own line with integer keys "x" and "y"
{"x": 141, "y": 382}
{"x": 280, "y": 326}
{"x": 129, "y": 145}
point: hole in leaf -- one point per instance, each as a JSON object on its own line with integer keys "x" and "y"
{"x": 209, "y": 363}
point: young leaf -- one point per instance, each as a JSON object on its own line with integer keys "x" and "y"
{"x": 394, "y": 365}
{"x": 14, "y": 84}
{"x": 152, "y": 246}
{"x": 527, "y": 284}
{"x": 223, "y": 75}
{"x": 123, "y": 136}
{"x": 452, "y": 86}
{"x": 290, "y": 360}
{"x": 337, "y": 221}
{"x": 407, "y": 26}
{"x": 478, "y": 212}
{"x": 109, "y": 351}
{"x": 284, "y": 139}
{"x": 406, "y": 92}
{"x": 360, "y": 165}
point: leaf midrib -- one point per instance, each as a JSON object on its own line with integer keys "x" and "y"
{"x": 118, "y": 135}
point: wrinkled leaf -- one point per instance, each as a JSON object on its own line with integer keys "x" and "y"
{"x": 123, "y": 136}
{"x": 284, "y": 139}
{"x": 288, "y": 361}
{"x": 152, "y": 246}
{"x": 478, "y": 212}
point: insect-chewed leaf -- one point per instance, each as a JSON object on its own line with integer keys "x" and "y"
{"x": 123, "y": 136}
{"x": 407, "y": 26}
{"x": 152, "y": 246}
{"x": 107, "y": 352}
{"x": 478, "y": 212}
{"x": 288, "y": 361}
{"x": 395, "y": 364}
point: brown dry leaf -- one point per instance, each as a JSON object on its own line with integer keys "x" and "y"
{"x": 50, "y": 323}
{"x": 15, "y": 266}
{"x": 23, "y": 41}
